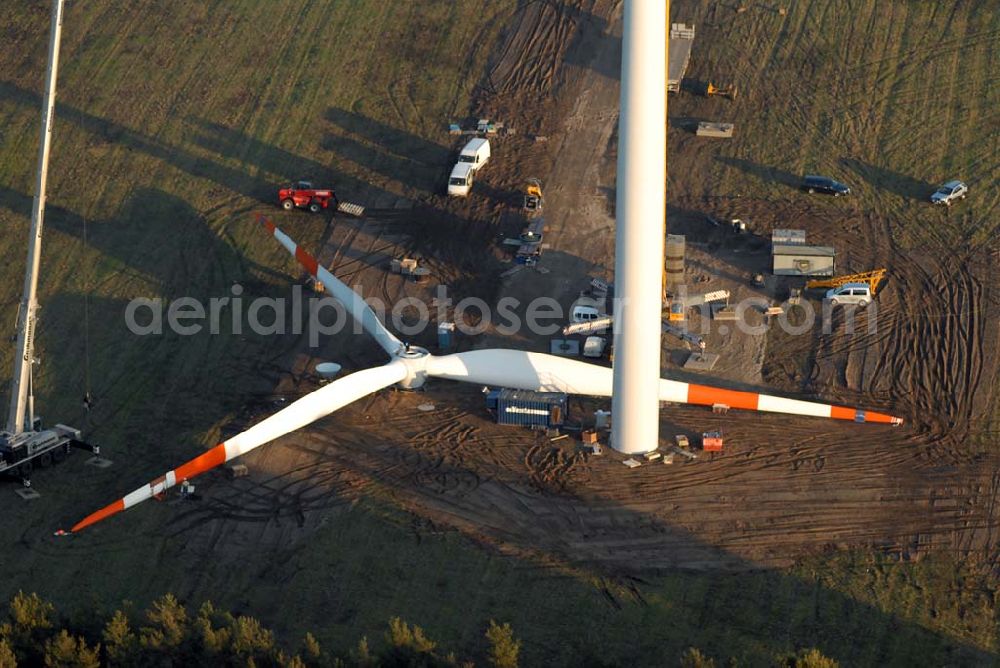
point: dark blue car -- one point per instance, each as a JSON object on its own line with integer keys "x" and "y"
{"x": 822, "y": 184}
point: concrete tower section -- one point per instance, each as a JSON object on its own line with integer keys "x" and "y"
{"x": 640, "y": 207}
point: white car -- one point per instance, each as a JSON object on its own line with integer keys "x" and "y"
{"x": 949, "y": 192}
{"x": 460, "y": 181}
{"x": 859, "y": 294}
{"x": 594, "y": 346}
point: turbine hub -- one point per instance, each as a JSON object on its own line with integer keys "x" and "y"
{"x": 415, "y": 359}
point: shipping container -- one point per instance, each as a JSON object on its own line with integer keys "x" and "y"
{"x": 526, "y": 408}
{"x": 804, "y": 260}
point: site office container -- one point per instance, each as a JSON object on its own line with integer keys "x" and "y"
{"x": 526, "y": 408}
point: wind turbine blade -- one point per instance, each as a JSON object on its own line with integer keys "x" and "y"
{"x": 351, "y": 300}
{"x": 308, "y": 409}
{"x": 524, "y": 371}
{"x": 548, "y": 373}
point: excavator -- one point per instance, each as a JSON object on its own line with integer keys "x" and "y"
{"x": 533, "y": 197}
{"x": 726, "y": 91}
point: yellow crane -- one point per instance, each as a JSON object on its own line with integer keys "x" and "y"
{"x": 872, "y": 278}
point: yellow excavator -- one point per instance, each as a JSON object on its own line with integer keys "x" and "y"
{"x": 726, "y": 91}
{"x": 533, "y": 196}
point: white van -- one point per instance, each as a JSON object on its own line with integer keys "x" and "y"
{"x": 850, "y": 293}
{"x": 476, "y": 153}
{"x": 460, "y": 181}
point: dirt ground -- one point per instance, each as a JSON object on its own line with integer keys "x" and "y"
{"x": 785, "y": 488}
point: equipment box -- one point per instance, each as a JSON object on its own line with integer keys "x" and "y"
{"x": 711, "y": 441}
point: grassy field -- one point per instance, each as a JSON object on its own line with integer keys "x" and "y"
{"x": 176, "y": 121}
{"x": 890, "y": 97}
{"x": 171, "y": 125}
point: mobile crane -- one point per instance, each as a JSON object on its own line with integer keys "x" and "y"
{"x": 23, "y": 442}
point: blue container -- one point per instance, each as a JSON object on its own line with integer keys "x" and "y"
{"x": 526, "y": 408}
{"x": 446, "y": 332}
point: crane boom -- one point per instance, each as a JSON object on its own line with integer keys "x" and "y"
{"x": 29, "y": 304}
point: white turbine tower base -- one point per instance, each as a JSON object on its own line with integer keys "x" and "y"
{"x": 411, "y": 367}
{"x": 640, "y": 209}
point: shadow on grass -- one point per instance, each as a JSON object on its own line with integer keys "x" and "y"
{"x": 765, "y": 173}
{"x": 881, "y": 178}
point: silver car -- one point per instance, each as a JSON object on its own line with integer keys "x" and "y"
{"x": 850, "y": 293}
{"x": 949, "y": 192}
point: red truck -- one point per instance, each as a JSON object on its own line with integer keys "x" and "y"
{"x": 304, "y": 196}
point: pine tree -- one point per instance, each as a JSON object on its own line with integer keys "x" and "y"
{"x": 121, "y": 646}
{"x": 65, "y": 651}
{"x": 30, "y": 623}
{"x": 251, "y": 639}
{"x": 810, "y": 658}
{"x": 693, "y": 658}
{"x": 168, "y": 627}
{"x": 504, "y": 648}
{"x": 402, "y": 636}
{"x": 213, "y": 629}
{"x": 7, "y": 658}
{"x": 363, "y": 654}
{"x": 311, "y": 649}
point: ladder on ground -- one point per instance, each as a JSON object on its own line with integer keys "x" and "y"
{"x": 872, "y": 278}
{"x": 351, "y": 208}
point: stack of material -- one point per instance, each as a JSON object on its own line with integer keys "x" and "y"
{"x": 237, "y": 471}
{"x": 706, "y": 129}
{"x": 674, "y": 265}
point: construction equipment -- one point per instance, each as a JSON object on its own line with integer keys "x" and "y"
{"x": 726, "y": 91}
{"x": 23, "y": 443}
{"x": 533, "y": 197}
{"x": 872, "y": 278}
{"x": 675, "y": 312}
{"x": 304, "y": 196}
{"x": 711, "y": 441}
{"x": 408, "y": 266}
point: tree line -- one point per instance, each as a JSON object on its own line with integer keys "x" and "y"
{"x": 168, "y": 634}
